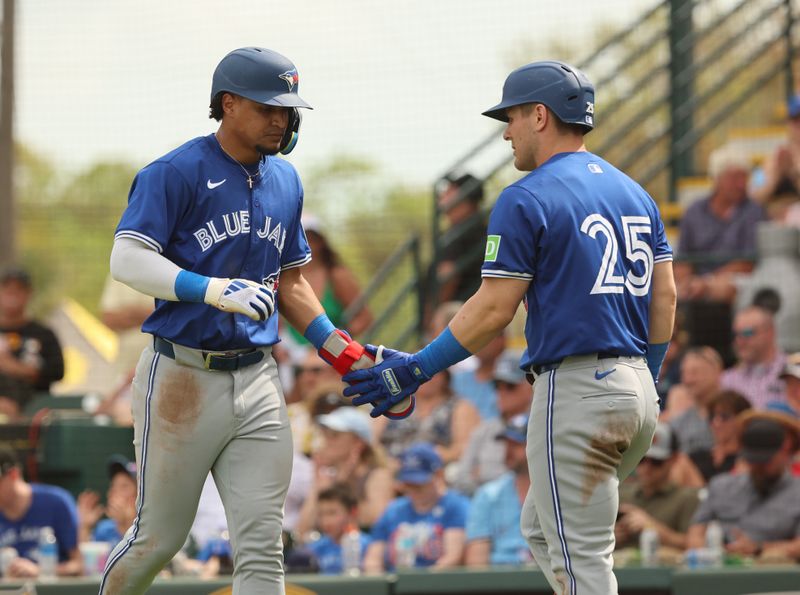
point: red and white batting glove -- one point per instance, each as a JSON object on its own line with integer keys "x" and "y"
{"x": 347, "y": 355}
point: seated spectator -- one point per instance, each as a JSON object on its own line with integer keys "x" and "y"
{"x": 30, "y": 354}
{"x": 723, "y": 410}
{"x": 25, "y": 509}
{"x": 476, "y": 386}
{"x": 425, "y": 527}
{"x": 758, "y": 510}
{"x": 333, "y": 283}
{"x": 440, "y": 418}
{"x": 459, "y": 271}
{"x": 493, "y": 524}
{"x": 701, "y": 370}
{"x": 337, "y": 513}
{"x": 347, "y": 455}
{"x": 652, "y": 500}
{"x": 120, "y": 509}
{"x": 791, "y": 376}
{"x": 314, "y": 379}
{"x": 782, "y": 168}
{"x": 484, "y": 457}
{"x": 759, "y": 359}
{"x": 717, "y": 234}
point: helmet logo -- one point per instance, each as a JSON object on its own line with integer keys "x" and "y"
{"x": 291, "y": 78}
{"x": 589, "y": 107}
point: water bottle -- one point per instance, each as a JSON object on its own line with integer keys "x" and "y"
{"x": 715, "y": 543}
{"x": 47, "y": 554}
{"x": 648, "y": 546}
{"x": 351, "y": 552}
{"x": 404, "y": 544}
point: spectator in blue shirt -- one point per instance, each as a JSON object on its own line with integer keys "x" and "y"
{"x": 25, "y": 509}
{"x": 120, "y": 509}
{"x": 493, "y": 530}
{"x": 425, "y": 527}
{"x": 337, "y": 514}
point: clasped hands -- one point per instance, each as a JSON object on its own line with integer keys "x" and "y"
{"x": 397, "y": 375}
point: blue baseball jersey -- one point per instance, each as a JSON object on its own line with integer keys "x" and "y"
{"x": 51, "y": 506}
{"x": 423, "y": 532}
{"x": 194, "y": 206}
{"x": 328, "y": 553}
{"x": 494, "y": 514}
{"x": 587, "y": 237}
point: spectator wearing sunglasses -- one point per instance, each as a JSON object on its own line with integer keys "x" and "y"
{"x": 653, "y": 500}
{"x": 760, "y": 360}
{"x": 722, "y": 456}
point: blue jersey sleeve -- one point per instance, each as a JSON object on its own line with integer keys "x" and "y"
{"x": 382, "y": 528}
{"x": 662, "y": 251}
{"x": 158, "y": 196}
{"x": 515, "y": 227}
{"x": 296, "y": 252}
{"x": 456, "y": 511}
{"x": 65, "y": 524}
{"x": 478, "y": 516}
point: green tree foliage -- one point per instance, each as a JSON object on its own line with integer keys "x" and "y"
{"x": 67, "y": 225}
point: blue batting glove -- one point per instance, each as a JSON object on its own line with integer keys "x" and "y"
{"x": 398, "y": 376}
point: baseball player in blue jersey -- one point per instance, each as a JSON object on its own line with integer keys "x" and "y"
{"x": 584, "y": 247}
{"x": 212, "y": 231}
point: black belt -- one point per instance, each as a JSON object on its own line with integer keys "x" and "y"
{"x": 223, "y": 362}
{"x": 539, "y": 369}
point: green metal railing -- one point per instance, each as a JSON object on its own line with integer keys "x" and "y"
{"x": 668, "y": 83}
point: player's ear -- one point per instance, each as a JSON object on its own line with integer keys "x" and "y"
{"x": 540, "y": 116}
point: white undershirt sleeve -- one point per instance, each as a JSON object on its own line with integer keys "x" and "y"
{"x": 139, "y": 266}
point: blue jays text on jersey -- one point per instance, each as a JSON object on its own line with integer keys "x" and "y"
{"x": 588, "y": 237}
{"x": 194, "y": 206}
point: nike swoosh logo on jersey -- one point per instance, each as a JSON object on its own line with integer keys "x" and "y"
{"x": 211, "y": 185}
{"x": 598, "y": 375}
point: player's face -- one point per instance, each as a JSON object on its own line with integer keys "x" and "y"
{"x": 259, "y": 127}
{"x": 523, "y": 137}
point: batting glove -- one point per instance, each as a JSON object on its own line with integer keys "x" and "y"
{"x": 347, "y": 355}
{"x": 396, "y": 378}
{"x": 241, "y": 296}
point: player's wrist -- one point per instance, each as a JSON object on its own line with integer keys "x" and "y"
{"x": 656, "y": 352}
{"x": 441, "y": 353}
{"x": 319, "y": 330}
{"x": 191, "y": 287}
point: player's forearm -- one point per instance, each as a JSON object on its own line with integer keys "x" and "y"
{"x": 488, "y": 312}
{"x": 298, "y": 302}
{"x": 143, "y": 269}
{"x": 662, "y": 303}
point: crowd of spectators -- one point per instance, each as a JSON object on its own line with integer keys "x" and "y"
{"x": 445, "y": 487}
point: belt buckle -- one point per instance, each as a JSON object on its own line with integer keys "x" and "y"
{"x": 207, "y": 359}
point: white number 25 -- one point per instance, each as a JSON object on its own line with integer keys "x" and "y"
{"x": 636, "y": 250}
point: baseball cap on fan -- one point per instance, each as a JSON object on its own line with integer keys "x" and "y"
{"x": 761, "y": 439}
{"x": 663, "y": 444}
{"x": 506, "y": 368}
{"x": 516, "y": 429}
{"x": 120, "y": 464}
{"x": 347, "y": 419}
{"x": 419, "y": 463}
{"x": 793, "y": 107}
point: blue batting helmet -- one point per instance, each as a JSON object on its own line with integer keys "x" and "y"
{"x": 559, "y": 86}
{"x": 263, "y": 76}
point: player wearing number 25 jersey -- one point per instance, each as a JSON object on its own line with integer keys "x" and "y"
{"x": 582, "y": 245}
{"x": 589, "y": 237}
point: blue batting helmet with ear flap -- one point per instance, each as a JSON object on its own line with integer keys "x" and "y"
{"x": 559, "y": 86}
{"x": 263, "y": 76}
